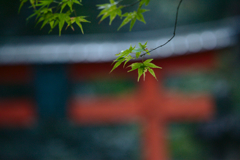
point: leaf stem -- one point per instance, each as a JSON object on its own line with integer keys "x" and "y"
{"x": 143, "y": 58}
{"x": 174, "y": 31}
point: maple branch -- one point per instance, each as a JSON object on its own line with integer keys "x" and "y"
{"x": 174, "y": 31}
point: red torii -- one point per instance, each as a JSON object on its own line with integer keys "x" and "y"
{"x": 151, "y": 105}
{"x": 153, "y": 109}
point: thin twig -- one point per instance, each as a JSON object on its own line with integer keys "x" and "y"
{"x": 174, "y": 31}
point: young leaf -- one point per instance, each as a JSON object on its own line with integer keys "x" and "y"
{"x": 110, "y": 10}
{"x": 133, "y": 16}
{"x": 78, "y": 21}
{"x": 126, "y": 62}
{"x": 143, "y": 46}
{"x": 140, "y": 72}
{"x": 43, "y": 3}
{"x": 32, "y": 3}
{"x": 129, "y": 17}
{"x": 151, "y": 65}
{"x": 147, "y": 52}
{"x": 152, "y": 72}
{"x": 147, "y": 61}
{"x": 62, "y": 7}
{"x": 21, "y": 4}
{"x": 146, "y": 2}
{"x": 140, "y": 15}
{"x": 117, "y": 64}
{"x": 132, "y": 23}
{"x": 128, "y": 58}
{"x": 135, "y": 66}
{"x": 138, "y": 50}
{"x": 138, "y": 54}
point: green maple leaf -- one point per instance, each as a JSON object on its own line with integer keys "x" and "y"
{"x": 132, "y": 17}
{"x": 21, "y": 4}
{"x": 123, "y": 56}
{"x": 109, "y": 10}
{"x": 146, "y": 2}
{"x": 143, "y": 67}
{"x": 78, "y": 21}
{"x": 118, "y": 63}
{"x": 135, "y": 66}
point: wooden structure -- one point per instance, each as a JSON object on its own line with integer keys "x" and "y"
{"x": 15, "y": 111}
{"x": 151, "y": 105}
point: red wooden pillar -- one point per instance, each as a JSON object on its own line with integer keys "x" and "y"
{"x": 154, "y": 139}
{"x": 154, "y": 126}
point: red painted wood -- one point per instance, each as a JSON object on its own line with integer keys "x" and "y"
{"x": 179, "y": 64}
{"x": 17, "y": 113}
{"x": 154, "y": 139}
{"x": 104, "y": 110}
{"x": 151, "y": 105}
{"x": 197, "y": 107}
{"x": 190, "y": 62}
{"x": 15, "y": 74}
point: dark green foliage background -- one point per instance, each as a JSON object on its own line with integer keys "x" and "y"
{"x": 161, "y": 15}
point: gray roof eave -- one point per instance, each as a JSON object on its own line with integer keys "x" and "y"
{"x": 103, "y": 47}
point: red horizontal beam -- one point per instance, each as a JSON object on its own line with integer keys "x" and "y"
{"x": 17, "y": 113}
{"x": 103, "y": 111}
{"x": 174, "y": 107}
{"x": 180, "y": 107}
{"x": 15, "y": 74}
{"x": 199, "y": 61}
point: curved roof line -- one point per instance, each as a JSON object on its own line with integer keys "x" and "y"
{"x": 103, "y": 47}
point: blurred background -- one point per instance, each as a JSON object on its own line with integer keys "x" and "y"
{"x": 52, "y": 88}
